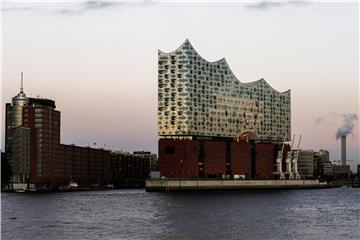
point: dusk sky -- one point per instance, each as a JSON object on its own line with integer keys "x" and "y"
{"x": 98, "y": 61}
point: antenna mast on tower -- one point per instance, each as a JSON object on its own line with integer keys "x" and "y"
{"x": 21, "y": 87}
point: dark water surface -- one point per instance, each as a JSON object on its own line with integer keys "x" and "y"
{"x": 136, "y": 214}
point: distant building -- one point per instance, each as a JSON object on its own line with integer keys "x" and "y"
{"x": 306, "y": 163}
{"x": 130, "y": 170}
{"x": 148, "y": 155}
{"x": 317, "y": 165}
{"x": 341, "y": 171}
{"x": 322, "y": 165}
{"x": 326, "y": 167}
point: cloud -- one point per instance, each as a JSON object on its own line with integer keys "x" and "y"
{"x": 88, "y": 6}
{"x": 267, "y": 5}
{"x": 318, "y": 120}
{"x": 20, "y": 9}
{"x": 76, "y": 8}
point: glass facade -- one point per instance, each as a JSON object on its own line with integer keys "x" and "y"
{"x": 201, "y": 98}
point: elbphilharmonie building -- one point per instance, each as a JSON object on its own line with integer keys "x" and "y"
{"x": 198, "y": 98}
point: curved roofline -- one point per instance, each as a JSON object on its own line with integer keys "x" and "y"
{"x": 247, "y": 84}
{"x": 180, "y": 47}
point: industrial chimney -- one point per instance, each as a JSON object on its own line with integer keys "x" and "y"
{"x": 343, "y": 150}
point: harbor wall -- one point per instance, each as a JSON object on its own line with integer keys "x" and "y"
{"x": 208, "y": 184}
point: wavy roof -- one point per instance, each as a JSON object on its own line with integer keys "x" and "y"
{"x": 223, "y": 60}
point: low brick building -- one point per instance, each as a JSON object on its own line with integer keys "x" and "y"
{"x": 179, "y": 158}
{"x": 215, "y": 159}
{"x": 241, "y": 159}
{"x": 88, "y": 167}
{"x": 129, "y": 170}
{"x": 265, "y": 159}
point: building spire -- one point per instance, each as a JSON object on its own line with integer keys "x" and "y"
{"x": 21, "y": 87}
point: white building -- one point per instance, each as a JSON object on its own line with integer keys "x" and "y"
{"x": 204, "y": 99}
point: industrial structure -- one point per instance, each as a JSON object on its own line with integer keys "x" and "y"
{"x": 343, "y": 149}
{"x": 342, "y": 170}
{"x": 211, "y": 125}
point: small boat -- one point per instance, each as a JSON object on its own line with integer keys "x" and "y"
{"x": 20, "y": 190}
{"x": 73, "y": 185}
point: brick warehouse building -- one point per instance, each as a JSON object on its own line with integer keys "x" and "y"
{"x": 37, "y": 158}
{"x": 213, "y": 159}
{"x": 131, "y": 170}
{"x": 212, "y": 125}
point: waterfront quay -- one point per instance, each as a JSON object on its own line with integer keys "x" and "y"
{"x": 166, "y": 185}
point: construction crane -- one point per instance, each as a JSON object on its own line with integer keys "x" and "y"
{"x": 295, "y": 160}
{"x": 279, "y": 158}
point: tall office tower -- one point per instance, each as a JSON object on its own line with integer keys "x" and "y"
{"x": 17, "y": 138}
{"x": 43, "y": 121}
{"x": 198, "y": 98}
{"x": 32, "y": 132}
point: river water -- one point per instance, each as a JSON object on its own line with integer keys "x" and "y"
{"x": 136, "y": 214}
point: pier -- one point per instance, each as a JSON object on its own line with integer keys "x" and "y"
{"x": 166, "y": 185}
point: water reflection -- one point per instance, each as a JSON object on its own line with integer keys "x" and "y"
{"x": 135, "y": 214}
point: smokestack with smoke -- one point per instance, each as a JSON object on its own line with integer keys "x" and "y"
{"x": 345, "y": 130}
{"x": 343, "y": 150}
{"x": 348, "y": 125}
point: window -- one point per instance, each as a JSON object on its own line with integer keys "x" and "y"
{"x": 169, "y": 150}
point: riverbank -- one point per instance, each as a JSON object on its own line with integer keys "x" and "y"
{"x": 166, "y": 185}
